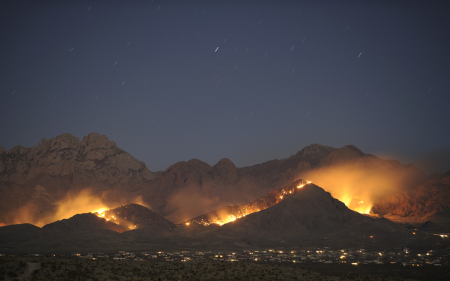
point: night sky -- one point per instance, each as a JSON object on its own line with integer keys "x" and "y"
{"x": 251, "y": 81}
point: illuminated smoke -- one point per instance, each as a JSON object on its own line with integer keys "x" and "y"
{"x": 84, "y": 201}
{"x": 361, "y": 184}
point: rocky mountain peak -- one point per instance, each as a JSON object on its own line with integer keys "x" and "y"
{"x": 64, "y": 155}
{"x": 341, "y": 155}
{"x": 226, "y": 169}
{"x": 354, "y": 149}
{"x": 95, "y": 140}
{"x": 314, "y": 150}
{"x": 63, "y": 141}
{"x": 198, "y": 163}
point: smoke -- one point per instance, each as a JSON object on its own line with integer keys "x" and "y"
{"x": 189, "y": 203}
{"x": 28, "y": 213}
{"x": 359, "y": 185}
{"x": 83, "y": 202}
{"x": 74, "y": 202}
{"x": 195, "y": 200}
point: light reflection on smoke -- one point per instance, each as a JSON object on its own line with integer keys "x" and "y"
{"x": 360, "y": 185}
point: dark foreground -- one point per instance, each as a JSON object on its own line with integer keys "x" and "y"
{"x": 52, "y": 268}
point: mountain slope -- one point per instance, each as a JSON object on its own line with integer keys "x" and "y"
{"x": 313, "y": 216}
{"x": 136, "y": 216}
{"x": 230, "y": 213}
{"x": 83, "y": 223}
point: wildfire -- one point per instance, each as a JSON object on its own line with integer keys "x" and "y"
{"x": 127, "y": 217}
{"x": 221, "y": 220}
{"x": 302, "y": 185}
{"x": 100, "y": 213}
{"x": 103, "y": 213}
{"x": 354, "y": 203}
{"x": 232, "y": 213}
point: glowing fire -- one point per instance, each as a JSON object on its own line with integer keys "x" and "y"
{"x": 100, "y": 213}
{"x": 354, "y": 203}
{"x": 103, "y": 213}
{"x": 232, "y": 213}
{"x": 125, "y": 217}
{"x": 302, "y": 185}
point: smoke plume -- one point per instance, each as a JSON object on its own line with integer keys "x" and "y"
{"x": 361, "y": 184}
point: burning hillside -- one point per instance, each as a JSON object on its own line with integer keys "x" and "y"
{"x": 231, "y": 213}
{"x": 132, "y": 216}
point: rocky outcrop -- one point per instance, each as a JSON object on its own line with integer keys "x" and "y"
{"x": 433, "y": 196}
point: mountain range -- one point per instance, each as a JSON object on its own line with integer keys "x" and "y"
{"x": 63, "y": 177}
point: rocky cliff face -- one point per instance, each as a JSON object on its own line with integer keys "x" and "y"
{"x": 433, "y": 196}
{"x": 65, "y": 155}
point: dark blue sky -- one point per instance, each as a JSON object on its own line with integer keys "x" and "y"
{"x": 247, "y": 80}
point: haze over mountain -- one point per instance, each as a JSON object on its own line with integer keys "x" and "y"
{"x": 63, "y": 176}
